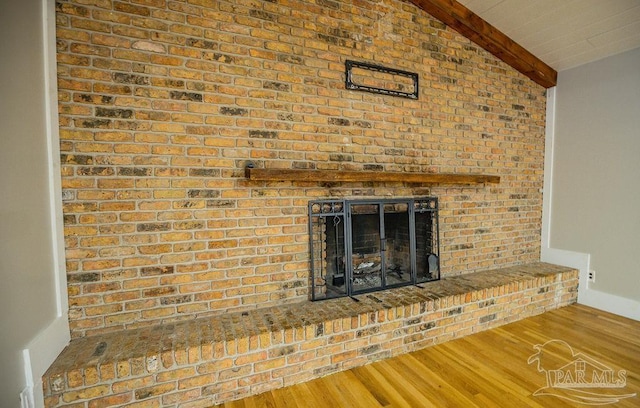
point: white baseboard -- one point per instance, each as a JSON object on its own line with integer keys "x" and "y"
{"x": 586, "y": 296}
{"x": 26, "y": 398}
{"x": 610, "y": 303}
{"x": 40, "y": 353}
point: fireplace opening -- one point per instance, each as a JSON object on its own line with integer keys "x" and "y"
{"x": 360, "y": 246}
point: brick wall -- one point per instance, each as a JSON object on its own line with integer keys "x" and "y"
{"x": 162, "y": 103}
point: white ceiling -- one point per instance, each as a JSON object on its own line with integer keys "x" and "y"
{"x": 565, "y": 33}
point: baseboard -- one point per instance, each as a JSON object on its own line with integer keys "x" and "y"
{"x": 26, "y": 398}
{"x": 586, "y": 296}
{"x": 40, "y": 353}
{"x": 610, "y": 303}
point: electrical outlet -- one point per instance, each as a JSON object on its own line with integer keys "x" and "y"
{"x": 592, "y": 275}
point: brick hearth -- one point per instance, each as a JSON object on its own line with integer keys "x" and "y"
{"x": 205, "y": 361}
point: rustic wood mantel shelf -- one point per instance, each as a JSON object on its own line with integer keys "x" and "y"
{"x": 360, "y": 176}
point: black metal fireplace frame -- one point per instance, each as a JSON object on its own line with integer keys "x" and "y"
{"x": 343, "y": 208}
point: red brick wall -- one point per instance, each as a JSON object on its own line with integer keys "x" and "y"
{"x": 162, "y": 103}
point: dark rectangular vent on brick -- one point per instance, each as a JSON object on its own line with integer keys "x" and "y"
{"x": 360, "y": 246}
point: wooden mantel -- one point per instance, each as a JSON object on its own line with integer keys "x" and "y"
{"x": 469, "y": 24}
{"x": 362, "y": 176}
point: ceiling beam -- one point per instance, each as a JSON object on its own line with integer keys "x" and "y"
{"x": 469, "y": 24}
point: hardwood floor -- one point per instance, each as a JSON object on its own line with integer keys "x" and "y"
{"x": 491, "y": 369}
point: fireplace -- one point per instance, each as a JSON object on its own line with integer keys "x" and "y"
{"x": 360, "y": 246}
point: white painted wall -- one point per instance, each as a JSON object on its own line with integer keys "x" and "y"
{"x": 594, "y": 191}
{"x": 33, "y": 301}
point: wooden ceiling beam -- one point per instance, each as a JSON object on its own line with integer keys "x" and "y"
{"x": 469, "y": 24}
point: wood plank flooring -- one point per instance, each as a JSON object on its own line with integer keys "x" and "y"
{"x": 491, "y": 369}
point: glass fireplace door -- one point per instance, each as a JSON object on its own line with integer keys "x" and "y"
{"x": 380, "y": 252}
{"x": 360, "y": 246}
{"x": 398, "y": 245}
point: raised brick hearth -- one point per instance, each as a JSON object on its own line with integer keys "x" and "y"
{"x": 205, "y": 361}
